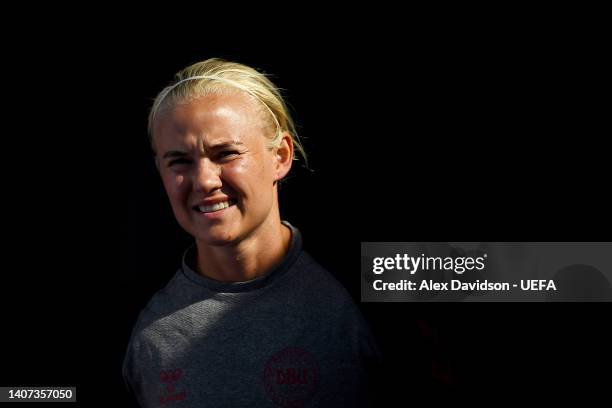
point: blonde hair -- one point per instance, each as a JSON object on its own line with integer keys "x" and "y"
{"x": 216, "y": 75}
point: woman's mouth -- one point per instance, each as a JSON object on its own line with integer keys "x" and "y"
{"x": 204, "y": 209}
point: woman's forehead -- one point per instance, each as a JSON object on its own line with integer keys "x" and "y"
{"x": 211, "y": 120}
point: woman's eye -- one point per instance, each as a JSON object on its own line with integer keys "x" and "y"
{"x": 227, "y": 153}
{"x": 179, "y": 161}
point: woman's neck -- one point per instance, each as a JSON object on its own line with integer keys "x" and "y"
{"x": 250, "y": 258}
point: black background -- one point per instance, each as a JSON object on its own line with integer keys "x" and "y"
{"x": 490, "y": 134}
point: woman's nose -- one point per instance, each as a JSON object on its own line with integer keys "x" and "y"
{"x": 207, "y": 176}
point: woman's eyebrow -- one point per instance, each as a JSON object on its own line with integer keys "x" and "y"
{"x": 226, "y": 144}
{"x": 179, "y": 153}
{"x": 174, "y": 153}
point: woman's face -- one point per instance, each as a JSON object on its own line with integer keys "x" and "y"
{"x": 215, "y": 166}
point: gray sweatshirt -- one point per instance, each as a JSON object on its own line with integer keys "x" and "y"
{"x": 290, "y": 338}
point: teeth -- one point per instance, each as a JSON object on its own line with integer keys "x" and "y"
{"x": 214, "y": 207}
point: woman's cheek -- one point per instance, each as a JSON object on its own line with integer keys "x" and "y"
{"x": 179, "y": 180}
{"x": 174, "y": 183}
{"x": 235, "y": 173}
{"x": 175, "y": 187}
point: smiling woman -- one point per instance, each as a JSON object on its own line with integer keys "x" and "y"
{"x": 249, "y": 318}
{"x": 221, "y": 181}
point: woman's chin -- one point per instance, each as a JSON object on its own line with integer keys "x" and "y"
{"x": 221, "y": 238}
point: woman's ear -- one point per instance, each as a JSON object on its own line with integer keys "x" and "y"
{"x": 283, "y": 156}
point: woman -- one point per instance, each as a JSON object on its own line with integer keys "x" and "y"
{"x": 249, "y": 319}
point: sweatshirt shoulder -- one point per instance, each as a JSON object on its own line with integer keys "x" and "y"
{"x": 329, "y": 300}
{"x": 164, "y": 302}
{"x": 317, "y": 281}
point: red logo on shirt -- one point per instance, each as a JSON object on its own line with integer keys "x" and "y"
{"x": 291, "y": 377}
{"x": 169, "y": 378}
